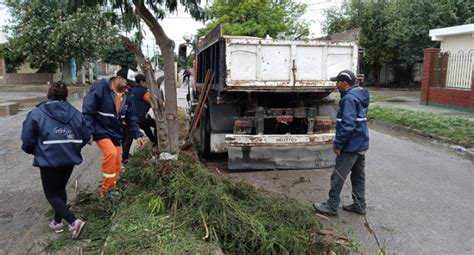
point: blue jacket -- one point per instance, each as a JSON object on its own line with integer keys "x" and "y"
{"x": 352, "y": 134}
{"x": 101, "y": 118}
{"x": 141, "y": 106}
{"x": 54, "y": 133}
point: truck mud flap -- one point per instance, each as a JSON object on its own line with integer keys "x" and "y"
{"x": 281, "y": 157}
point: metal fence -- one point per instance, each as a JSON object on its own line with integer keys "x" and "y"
{"x": 453, "y": 70}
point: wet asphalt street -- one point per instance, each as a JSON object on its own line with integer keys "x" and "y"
{"x": 419, "y": 195}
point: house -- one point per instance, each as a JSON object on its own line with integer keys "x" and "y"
{"x": 448, "y": 78}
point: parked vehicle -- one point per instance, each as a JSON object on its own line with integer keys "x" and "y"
{"x": 268, "y": 106}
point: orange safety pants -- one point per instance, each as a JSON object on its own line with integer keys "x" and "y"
{"x": 111, "y": 163}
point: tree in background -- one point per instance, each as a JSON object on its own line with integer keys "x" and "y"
{"x": 278, "y": 19}
{"x": 13, "y": 59}
{"x": 374, "y": 36}
{"x": 338, "y": 20}
{"x": 396, "y": 32}
{"x": 115, "y": 53}
{"x": 49, "y": 34}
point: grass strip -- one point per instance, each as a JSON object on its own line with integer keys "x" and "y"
{"x": 457, "y": 130}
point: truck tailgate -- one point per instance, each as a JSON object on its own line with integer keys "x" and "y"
{"x": 254, "y": 62}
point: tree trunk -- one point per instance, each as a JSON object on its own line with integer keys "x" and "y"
{"x": 171, "y": 102}
{"x": 157, "y": 101}
{"x": 91, "y": 73}
{"x": 166, "y": 46}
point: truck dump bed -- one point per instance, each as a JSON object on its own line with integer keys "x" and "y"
{"x": 258, "y": 64}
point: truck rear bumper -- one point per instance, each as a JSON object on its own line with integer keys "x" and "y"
{"x": 281, "y": 89}
{"x": 280, "y": 151}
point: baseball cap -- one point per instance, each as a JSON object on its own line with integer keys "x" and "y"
{"x": 127, "y": 74}
{"x": 345, "y": 75}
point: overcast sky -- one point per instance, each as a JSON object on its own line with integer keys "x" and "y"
{"x": 176, "y": 25}
{"x": 3, "y": 20}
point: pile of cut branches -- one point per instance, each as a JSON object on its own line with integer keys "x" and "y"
{"x": 178, "y": 207}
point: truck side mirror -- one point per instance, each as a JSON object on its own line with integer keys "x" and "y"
{"x": 182, "y": 53}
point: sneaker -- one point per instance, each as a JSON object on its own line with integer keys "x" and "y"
{"x": 354, "y": 208}
{"x": 324, "y": 208}
{"x": 56, "y": 227}
{"x": 76, "y": 227}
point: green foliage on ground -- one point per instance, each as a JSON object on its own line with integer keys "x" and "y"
{"x": 455, "y": 129}
{"x": 177, "y": 207}
{"x": 278, "y": 19}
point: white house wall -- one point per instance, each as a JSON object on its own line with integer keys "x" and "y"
{"x": 455, "y": 43}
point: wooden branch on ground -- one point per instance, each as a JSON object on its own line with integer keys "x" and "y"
{"x": 199, "y": 108}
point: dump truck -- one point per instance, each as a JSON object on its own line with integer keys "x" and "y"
{"x": 268, "y": 105}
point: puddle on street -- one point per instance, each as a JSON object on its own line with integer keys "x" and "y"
{"x": 72, "y": 97}
{"x": 77, "y": 95}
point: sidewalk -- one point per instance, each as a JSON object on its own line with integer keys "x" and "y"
{"x": 410, "y": 100}
{"x": 29, "y": 95}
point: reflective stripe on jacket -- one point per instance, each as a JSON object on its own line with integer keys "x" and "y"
{"x": 54, "y": 132}
{"x": 102, "y": 120}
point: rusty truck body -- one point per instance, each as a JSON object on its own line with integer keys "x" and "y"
{"x": 268, "y": 106}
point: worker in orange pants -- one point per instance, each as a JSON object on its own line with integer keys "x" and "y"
{"x": 106, "y": 108}
{"x": 111, "y": 164}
